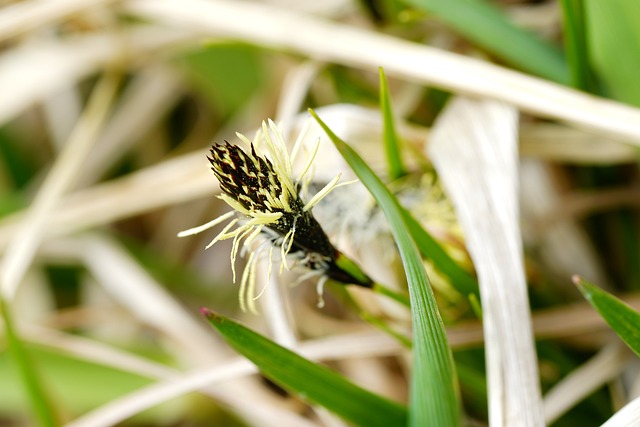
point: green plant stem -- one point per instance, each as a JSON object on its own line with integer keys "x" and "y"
{"x": 396, "y": 296}
{"x": 42, "y": 408}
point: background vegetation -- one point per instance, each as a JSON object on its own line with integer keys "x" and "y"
{"x": 508, "y": 130}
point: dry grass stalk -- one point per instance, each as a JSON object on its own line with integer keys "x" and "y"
{"x": 600, "y": 369}
{"x": 322, "y": 40}
{"x": 25, "y": 242}
{"x": 473, "y": 146}
{"x": 31, "y": 15}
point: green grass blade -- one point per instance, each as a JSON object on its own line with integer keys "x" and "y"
{"x": 396, "y": 296}
{"x": 575, "y": 38}
{"x": 428, "y": 246}
{"x": 395, "y": 164}
{"x": 614, "y": 37}
{"x": 462, "y": 281}
{"x": 312, "y": 382}
{"x": 41, "y": 406}
{"x": 624, "y": 320}
{"x": 434, "y": 395}
{"x": 483, "y": 24}
{"x": 383, "y": 325}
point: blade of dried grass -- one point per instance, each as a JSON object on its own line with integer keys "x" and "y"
{"x": 629, "y": 416}
{"x": 61, "y": 112}
{"x": 96, "y": 352}
{"x": 131, "y": 404}
{"x": 27, "y": 16}
{"x": 564, "y": 144}
{"x": 24, "y": 243}
{"x": 23, "y": 83}
{"x": 294, "y": 90}
{"x": 597, "y": 371}
{"x": 474, "y": 148}
{"x": 562, "y": 243}
{"x": 181, "y": 179}
{"x": 573, "y": 320}
{"x": 276, "y": 308}
{"x": 145, "y": 101}
{"x": 134, "y": 288}
{"x": 317, "y": 38}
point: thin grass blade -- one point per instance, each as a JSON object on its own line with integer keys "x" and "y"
{"x": 614, "y": 36}
{"x": 486, "y": 26}
{"x": 312, "y": 382}
{"x": 434, "y": 394}
{"x": 624, "y": 320}
{"x": 395, "y": 165}
{"x": 577, "y": 51}
{"x": 41, "y": 405}
{"x": 464, "y": 282}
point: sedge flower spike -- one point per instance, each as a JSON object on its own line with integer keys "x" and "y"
{"x": 266, "y": 202}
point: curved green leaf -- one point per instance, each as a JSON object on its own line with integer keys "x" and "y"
{"x": 395, "y": 164}
{"x": 624, "y": 320}
{"x": 430, "y": 249}
{"x": 576, "y": 46}
{"x": 434, "y": 395}
{"x": 310, "y": 381}
{"x": 43, "y": 410}
{"x": 483, "y": 24}
{"x": 613, "y": 36}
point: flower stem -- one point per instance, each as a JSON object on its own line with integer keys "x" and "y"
{"x": 396, "y": 296}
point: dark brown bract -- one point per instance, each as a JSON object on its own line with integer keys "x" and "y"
{"x": 262, "y": 191}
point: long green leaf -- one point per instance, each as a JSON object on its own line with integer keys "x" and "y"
{"x": 42, "y": 409}
{"x": 464, "y": 283}
{"x": 391, "y": 142}
{"x": 312, "y": 382}
{"x": 434, "y": 395}
{"x": 575, "y": 42}
{"x": 486, "y": 26}
{"x": 624, "y": 320}
{"x": 614, "y": 38}
{"x": 428, "y": 246}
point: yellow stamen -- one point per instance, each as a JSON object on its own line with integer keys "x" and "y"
{"x": 208, "y": 225}
{"x": 236, "y": 244}
{"x": 320, "y": 290}
{"x": 284, "y": 251}
{"x": 300, "y": 140}
{"x": 307, "y": 166}
{"x": 322, "y": 193}
{"x": 244, "y": 282}
{"x": 222, "y": 235}
{"x": 234, "y": 204}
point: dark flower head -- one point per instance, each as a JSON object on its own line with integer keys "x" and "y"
{"x": 263, "y": 192}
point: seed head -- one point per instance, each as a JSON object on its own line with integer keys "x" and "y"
{"x": 261, "y": 189}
